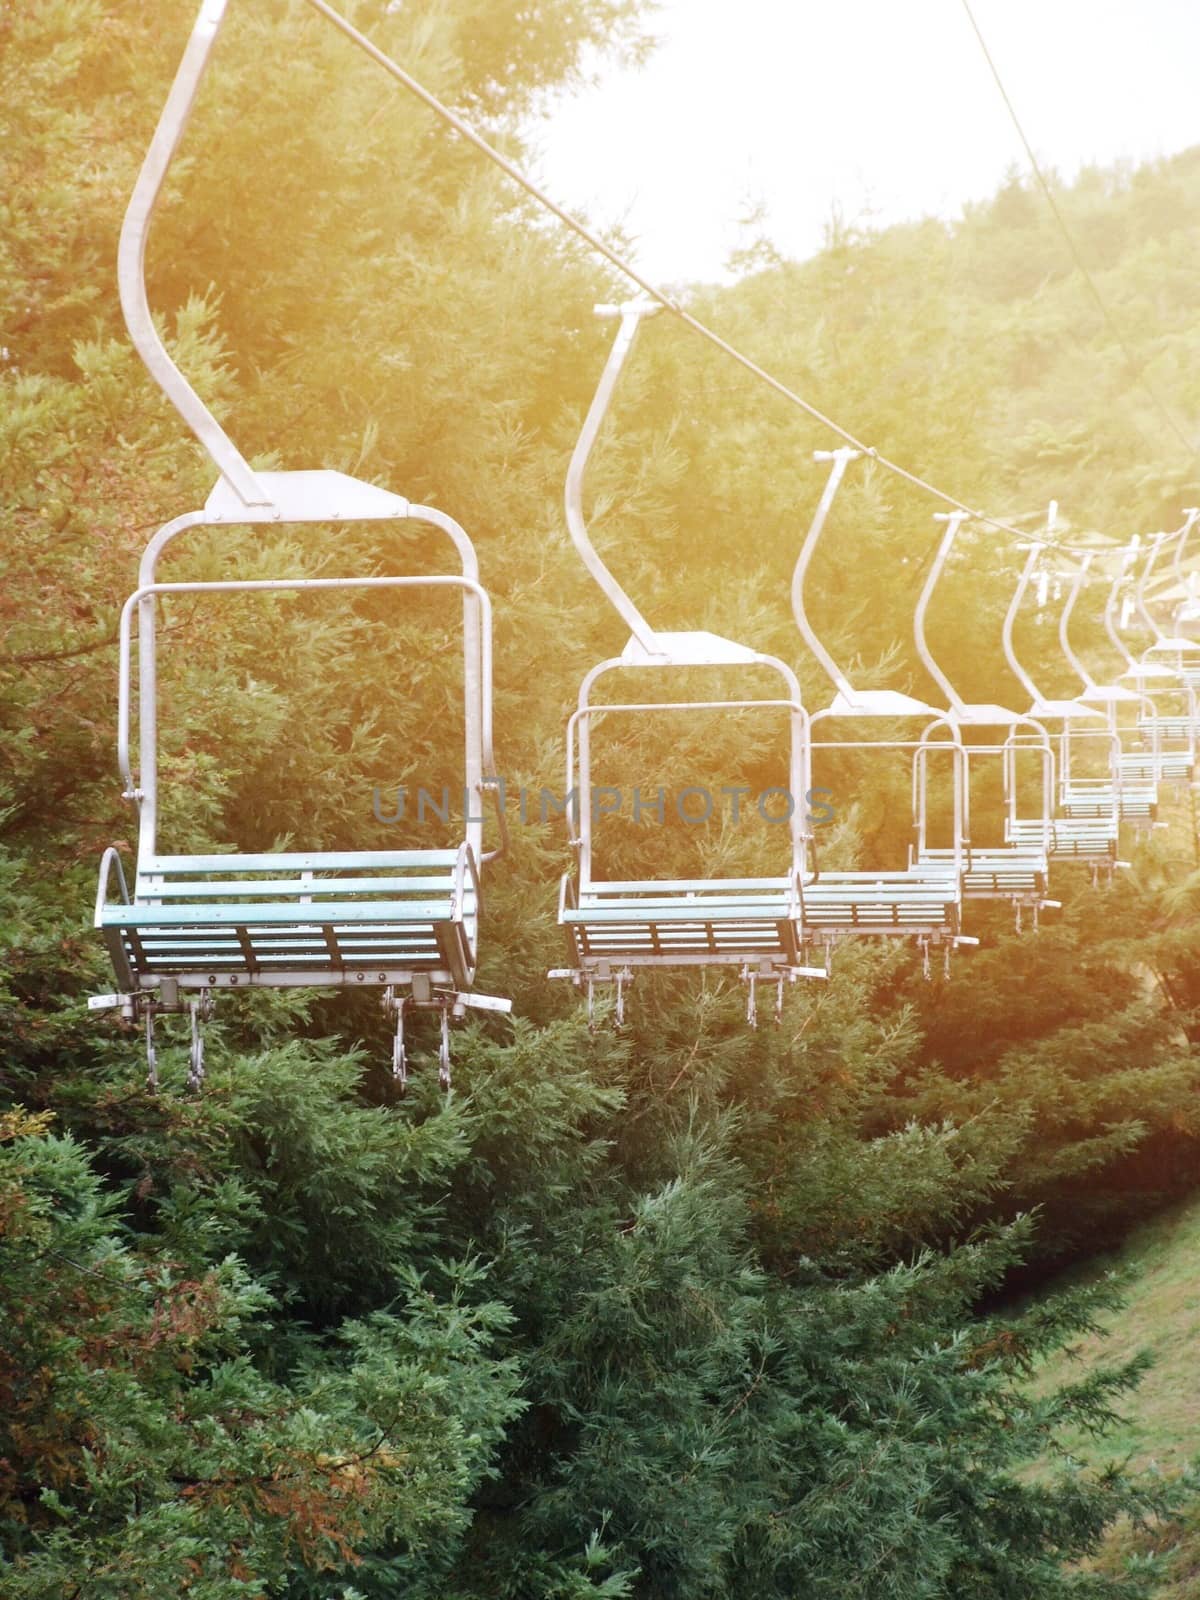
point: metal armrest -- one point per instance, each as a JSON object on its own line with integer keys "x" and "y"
{"x": 111, "y": 857}
{"x": 464, "y": 861}
{"x": 496, "y": 786}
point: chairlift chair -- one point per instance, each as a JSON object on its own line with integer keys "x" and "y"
{"x": 1179, "y": 655}
{"x": 1087, "y": 840}
{"x": 1151, "y": 758}
{"x": 616, "y": 928}
{"x": 1135, "y": 797}
{"x": 1016, "y": 871}
{"x": 188, "y": 927}
{"x": 922, "y": 900}
{"x": 1185, "y": 651}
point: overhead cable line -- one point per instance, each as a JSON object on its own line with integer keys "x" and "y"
{"x": 1137, "y": 369}
{"x": 651, "y": 290}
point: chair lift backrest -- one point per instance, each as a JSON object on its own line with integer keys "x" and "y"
{"x": 840, "y": 460}
{"x": 1041, "y": 706}
{"x": 579, "y": 756}
{"x": 1153, "y": 547}
{"x": 479, "y": 772}
{"x": 1111, "y": 696}
{"x": 1068, "y": 711}
{"x": 1187, "y": 611}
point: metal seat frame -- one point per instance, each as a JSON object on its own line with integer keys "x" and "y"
{"x": 1159, "y": 762}
{"x": 1135, "y": 796}
{"x": 615, "y": 928}
{"x": 194, "y": 925}
{"x": 1091, "y": 841}
{"x": 1012, "y": 869}
{"x": 922, "y": 900}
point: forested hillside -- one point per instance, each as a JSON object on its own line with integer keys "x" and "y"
{"x": 674, "y": 1311}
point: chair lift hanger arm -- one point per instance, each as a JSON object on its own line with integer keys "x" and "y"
{"x": 840, "y": 460}
{"x": 1155, "y": 544}
{"x": 954, "y": 521}
{"x": 1120, "y": 578}
{"x": 1010, "y": 616}
{"x": 1109, "y": 694}
{"x": 631, "y": 315}
{"x": 131, "y": 262}
{"x": 1064, "y": 624}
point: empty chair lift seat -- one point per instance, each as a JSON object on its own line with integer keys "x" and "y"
{"x": 295, "y": 919}
{"x": 1171, "y": 726}
{"x": 1089, "y": 839}
{"x": 923, "y": 901}
{"x": 1135, "y": 802}
{"x": 1168, "y": 766}
{"x": 682, "y": 922}
{"x": 1016, "y": 873}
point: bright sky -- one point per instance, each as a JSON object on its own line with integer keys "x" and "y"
{"x": 884, "y": 109}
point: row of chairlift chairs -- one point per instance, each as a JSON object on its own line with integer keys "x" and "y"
{"x": 183, "y": 928}
{"x": 781, "y": 928}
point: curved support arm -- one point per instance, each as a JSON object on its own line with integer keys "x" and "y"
{"x": 131, "y": 261}
{"x": 1064, "y": 623}
{"x": 631, "y": 315}
{"x": 841, "y": 459}
{"x": 1139, "y": 593}
{"x": 1128, "y": 559}
{"x": 1010, "y": 617}
{"x": 954, "y": 521}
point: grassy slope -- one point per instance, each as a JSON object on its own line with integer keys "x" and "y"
{"x": 1162, "y": 1426}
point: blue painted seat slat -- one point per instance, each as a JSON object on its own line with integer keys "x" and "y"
{"x": 250, "y": 914}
